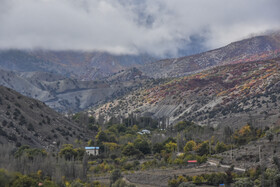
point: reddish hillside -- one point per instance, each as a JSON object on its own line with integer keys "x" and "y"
{"x": 252, "y": 49}
{"x": 229, "y": 94}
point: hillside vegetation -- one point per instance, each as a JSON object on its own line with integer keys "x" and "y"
{"x": 27, "y": 121}
{"x": 225, "y": 95}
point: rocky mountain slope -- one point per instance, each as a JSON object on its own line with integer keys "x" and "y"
{"x": 252, "y": 49}
{"x": 75, "y": 64}
{"x": 226, "y": 95}
{"x": 27, "y": 121}
{"x": 71, "y": 95}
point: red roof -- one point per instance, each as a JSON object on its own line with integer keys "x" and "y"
{"x": 192, "y": 161}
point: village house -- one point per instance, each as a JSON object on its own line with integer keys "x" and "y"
{"x": 92, "y": 150}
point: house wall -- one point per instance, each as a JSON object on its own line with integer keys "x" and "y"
{"x": 92, "y": 151}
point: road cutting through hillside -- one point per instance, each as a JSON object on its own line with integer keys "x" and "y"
{"x": 214, "y": 163}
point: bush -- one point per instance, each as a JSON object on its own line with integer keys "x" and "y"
{"x": 187, "y": 184}
{"x": 220, "y": 147}
{"x": 24, "y": 181}
{"x": 68, "y": 152}
{"x": 245, "y": 182}
{"x": 190, "y": 146}
{"x": 158, "y": 147}
{"x": 142, "y": 146}
{"x": 122, "y": 183}
{"x": 116, "y": 174}
{"x": 130, "y": 150}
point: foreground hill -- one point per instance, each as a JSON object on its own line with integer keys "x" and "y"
{"x": 28, "y": 121}
{"x": 252, "y": 49}
{"x": 71, "y": 95}
{"x": 226, "y": 95}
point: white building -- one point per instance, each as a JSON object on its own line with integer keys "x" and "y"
{"x": 92, "y": 150}
{"x": 144, "y": 132}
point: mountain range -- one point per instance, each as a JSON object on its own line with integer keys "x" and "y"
{"x": 233, "y": 95}
{"x": 79, "y": 65}
{"x": 233, "y": 85}
{"x": 72, "y": 81}
{"x": 71, "y": 95}
{"x": 251, "y": 49}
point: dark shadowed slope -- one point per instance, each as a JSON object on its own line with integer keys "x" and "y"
{"x": 27, "y": 121}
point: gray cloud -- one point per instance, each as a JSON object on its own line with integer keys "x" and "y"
{"x": 158, "y": 27}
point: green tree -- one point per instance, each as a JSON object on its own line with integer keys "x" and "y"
{"x": 68, "y": 152}
{"x": 77, "y": 183}
{"x": 220, "y": 147}
{"x": 130, "y": 150}
{"x": 180, "y": 126}
{"x": 186, "y": 184}
{"x": 269, "y": 135}
{"x": 203, "y": 148}
{"x": 190, "y": 146}
{"x": 198, "y": 179}
{"x": 24, "y": 181}
{"x": 171, "y": 147}
{"x": 90, "y": 143}
{"x": 116, "y": 174}
{"x": 5, "y": 178}
{"x": 101, "y": 137}
{"x": 143, "y": 146}
{"x": 158, "y": 147}
{"x": 245, "y": 182}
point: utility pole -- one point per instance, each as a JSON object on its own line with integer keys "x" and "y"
{"x": 210, "y": 146}
{"x": 231, "y": 155}
{"x": 260, "y": 154}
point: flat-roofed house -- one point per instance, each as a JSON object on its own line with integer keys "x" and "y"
{"x": 92, "y": 150}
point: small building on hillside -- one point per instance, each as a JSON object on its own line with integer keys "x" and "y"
{"x": 145, "y": 131}
{"x": 92, "y": 150}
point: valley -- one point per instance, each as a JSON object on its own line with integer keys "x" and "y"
{"x": 202, "y": 120}
{"x": 68, "y": 95}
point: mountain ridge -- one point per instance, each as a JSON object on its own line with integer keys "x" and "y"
{"x": 80, "y": 65}
{"x": 56, "y": 86}
{"x": 71, "y": 95}
{"x": 251, "y": 49}
{"x": 225, "y": 94}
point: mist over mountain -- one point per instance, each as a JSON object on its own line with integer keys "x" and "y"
{"x": 71, "y": 81}
{"x": 159, "y": 28}
{"x": 254, "y": 48}
{"x": 73, "y": 64}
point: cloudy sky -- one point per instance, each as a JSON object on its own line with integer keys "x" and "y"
{"x": 158, "y": 27}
